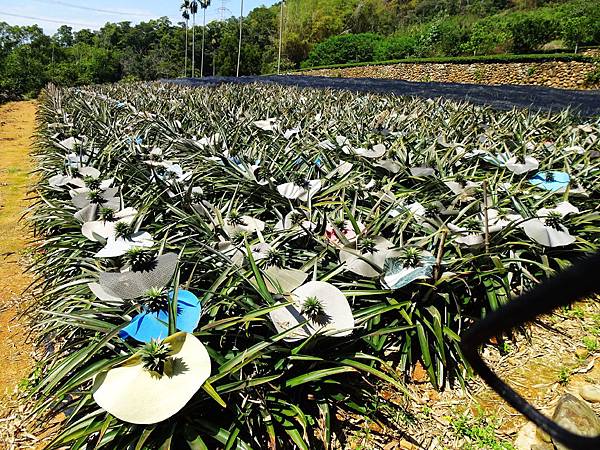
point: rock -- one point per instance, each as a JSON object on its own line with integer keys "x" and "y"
{"x": 554, "y": 45}
{"x": 543, "y": 436}
{"x": 374, "y": 426}
{"x": 404, "y": 444}
{"x": 590, "y": 392}
{"x": 527, "y": 438}
{"x": 576, "y": 416}
{"x": 558, "y": 74}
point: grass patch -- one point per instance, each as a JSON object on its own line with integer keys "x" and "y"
{"x": 591, "y": 343}
{"x": 564, "y": 375}
{"x": 479, "y": 432}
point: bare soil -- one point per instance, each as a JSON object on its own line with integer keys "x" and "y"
{"x": 551, "y": 357}
{"x": 17, "y": 125}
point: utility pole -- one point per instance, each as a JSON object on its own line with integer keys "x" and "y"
{"x": 185, "y": 72}
{"x": 204, "y": 7}
{"x": 223, "y": 10}
{"x": 280, "y": 38}
{"x": 237, "y": 72}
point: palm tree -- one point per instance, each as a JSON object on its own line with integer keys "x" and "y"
{"x": 204, "y": 4}
{"x": 237, "y": 73}
{"x": 194, "y": 11}
{"x": 185, "y": 8}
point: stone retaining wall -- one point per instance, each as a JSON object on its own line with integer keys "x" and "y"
{"x": 558, "y": 74}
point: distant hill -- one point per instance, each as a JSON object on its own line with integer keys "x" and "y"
{"x": 421, "y": 28}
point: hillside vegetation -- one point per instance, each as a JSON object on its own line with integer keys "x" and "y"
{"x": 377, "y": 30}
{"x": 317, "y": 32}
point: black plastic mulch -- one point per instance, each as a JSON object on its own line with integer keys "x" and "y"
{"x": 585, "y": 103}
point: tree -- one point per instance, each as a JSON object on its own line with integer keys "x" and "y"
{"x": 194, "y": 11}
{"x": 530, "y": 32}
{"x": 23, "y": 72}
{"x": 260, "y": 27}
{"x": 226, "y": 54}
{"x": 10, "y": 37}
{"x": 370, "y": 16}
{"x": 185, "y": 8}
{"x": 64, "y": 36}
{"x": 204, "y": 5}
{"x": 84, "y": 36}
{"x": 578, "y": 30}
{"x": 214, "y": 37}
{"x": 296, "y": 48}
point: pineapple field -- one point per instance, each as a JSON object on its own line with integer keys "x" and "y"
{"x": 238, "y": 266}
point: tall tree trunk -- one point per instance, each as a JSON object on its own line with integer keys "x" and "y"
{"x": 193, "y": 45}
{"x": 186, "y": 49}
{"x": 237, "y": 73}
{"x": 203, "y": 31}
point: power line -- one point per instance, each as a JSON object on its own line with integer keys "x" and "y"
{"x": 42, "y": 19}
{"x": 87, "y": 8}
{"x": 223, "y": 9}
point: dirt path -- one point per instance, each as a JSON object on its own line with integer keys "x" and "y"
{"x": 17, "y": 125}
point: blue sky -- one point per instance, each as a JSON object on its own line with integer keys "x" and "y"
{"x": 56, "y": 12}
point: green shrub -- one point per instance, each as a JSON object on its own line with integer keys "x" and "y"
{"x": 485, "y": 40}
{"x": 396, "y": 47}
{"x": 129, "y": 79}
{"x": 23, "y": 73}
{"x": 453, "y": 33}
{"x": 478, "y": 75}
{"x": 344, "y": 48}
{"x": 428, "y": 41}
{"x": 530, "y": 32}
{"x": 474, "y": 32}
{"x": 580, "y": 30}
{"x": 64, "y": 73}
{"x": 593, "y": 77}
